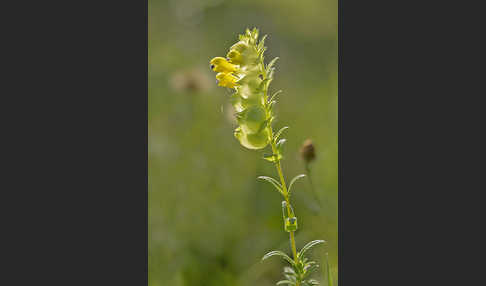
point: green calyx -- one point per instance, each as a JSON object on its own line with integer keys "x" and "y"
{"x": 253, "y": 140}
{"x": 251, "y": 119}
{"x": 249, "y": 98}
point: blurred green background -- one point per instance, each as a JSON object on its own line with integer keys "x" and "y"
{"x": 210, "y": 219}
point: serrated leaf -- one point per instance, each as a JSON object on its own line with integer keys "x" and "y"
{"x": 294, "y": 179}
{"x": 308, "y": 246}
{"x": 274, "y": 182}
{"x": 279, "y": 253}
{"x": 275, "y": 138}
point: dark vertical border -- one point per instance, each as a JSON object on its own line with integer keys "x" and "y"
{"x": 340, "y": 146}
{"x": 407, "y": 127}
{"x": 78, "y": 172}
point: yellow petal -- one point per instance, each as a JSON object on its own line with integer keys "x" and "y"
{"x": 226, "y": 80}
{"x": 220, "y": 64}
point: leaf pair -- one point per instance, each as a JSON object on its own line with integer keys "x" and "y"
{"x": 308, "y": 246}
{"x": 275, "y": 138}
{"x": 281, "y": 254}
{"x": 278, "y": 155}
{"x": 301, "y": 268}
{"x": 276, "y": 184}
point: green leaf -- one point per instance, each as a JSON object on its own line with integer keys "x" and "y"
{"x": 286, "y": 282}
{"x": 272, "y": 157}
{"x": 274, "y": 182}
{"x": 275, "y": 138}
{"x": 255, "y": 33}
{"x": 264, "y": 83}
{"x": 312, "y": 282}
{"x": 310, "y": 267}
{"x": 280, "y": 144}
{"x": 294, "y": 179}
{"x": 261, "y": 52}
{"x": 275, "y": 94}
{"x": 308, "y": 246}
{"x": 270, "y": 64}
{"x": 291, "y": 277}
{"x": 261, "y": 43}
{"x": 270, "y": 74}
{"x": 281, "y": 254}
{"x": 289, "y": 270}
{"x": 271, "y": 104}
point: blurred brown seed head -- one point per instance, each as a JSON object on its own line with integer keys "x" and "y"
{"x": 307, "y": 151}
{"x": 192, "y": 80}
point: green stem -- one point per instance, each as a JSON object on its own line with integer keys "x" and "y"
{"x": 286, "y": 195}
{"x": 279, "y": 170}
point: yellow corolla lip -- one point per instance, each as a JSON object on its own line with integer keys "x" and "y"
{"x": 226, "y": 80}
{"x": 219, "y": 64}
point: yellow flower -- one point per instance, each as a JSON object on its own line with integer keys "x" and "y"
{"x": 221, "y": 65}
{"x": 242, "y": 70}
{"x": 226, "y": 79}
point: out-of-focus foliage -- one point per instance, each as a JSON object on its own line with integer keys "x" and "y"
{"x": 210, "y": 219}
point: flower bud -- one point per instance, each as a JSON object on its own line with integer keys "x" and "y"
{"x": 307, "y": 151}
